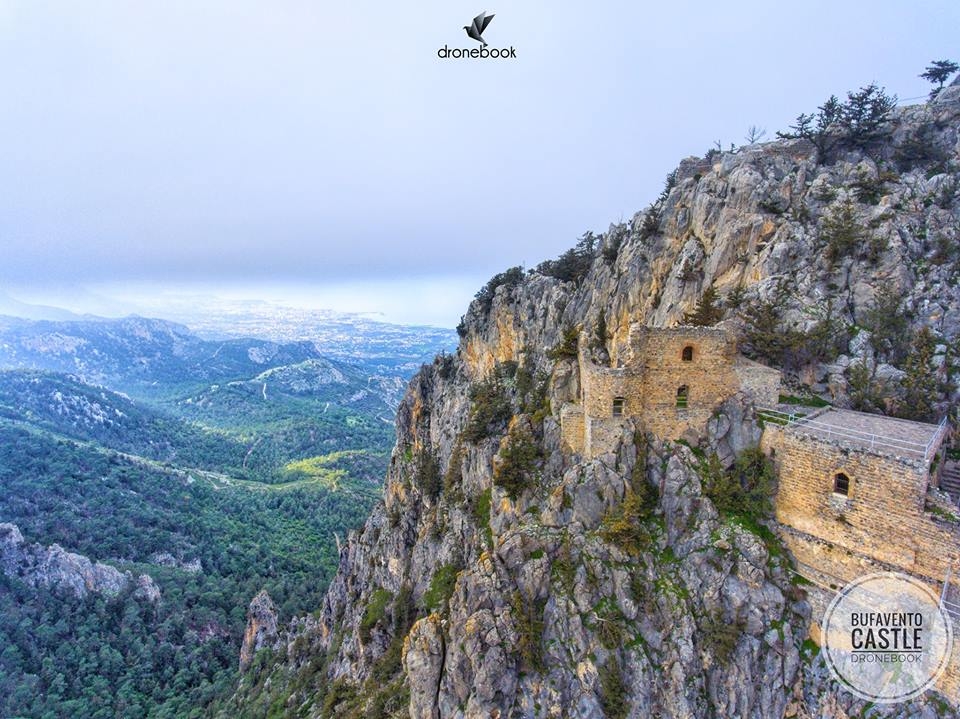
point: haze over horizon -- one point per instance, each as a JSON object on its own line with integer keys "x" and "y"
{"x": 328, "y": 154}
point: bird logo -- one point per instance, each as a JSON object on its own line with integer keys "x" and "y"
{"x": 475, "y": 30}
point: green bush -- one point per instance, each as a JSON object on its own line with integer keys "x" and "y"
{"x": 866, "y": 391}
{"x": 625, "y": 526}
{"x": 445, "y": 364}
{"x": 613, "y": 690}
{"x": 842, "y": 231}
{"x": 453, "y": 477}
{"x": 428, "y": 473}
{"x": 720, "y": 636}
{"x": 572, "y": 265}
{"x": 857, "y": 122}
{"x": 531, "y": 386}
{"x": 518, "y": 459}
{"x": 920, "y": 384}
{"x": 746, "y": 489}
{"x": 509, "y": 278}
{"x": 567, "y": 346}
{"x": 375, "y": 611}
{"x": 441, "y": 588}
{"x": 528, "y": 617}
{"x": 490, "y": 410}
{"x": 889, "y": 325}
{"x": 768, "y": 339}
{"x": 481, "y": 515}
{"x": 707, "y": 313}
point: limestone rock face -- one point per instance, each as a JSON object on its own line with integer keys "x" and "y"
{"x": 504, "y": 577}
{"x": 261, "y": 627}
{"x": 55, "y": 568}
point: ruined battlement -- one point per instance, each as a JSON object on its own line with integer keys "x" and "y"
{"x": 670, "y": 379}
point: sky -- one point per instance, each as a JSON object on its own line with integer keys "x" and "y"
{"x": 180, "y": 144}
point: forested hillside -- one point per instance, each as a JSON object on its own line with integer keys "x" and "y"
{"x": 217, "y": 470}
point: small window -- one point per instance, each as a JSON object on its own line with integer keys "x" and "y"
{"x": 618, "y": 406}
{"x": 682, "y": 395}
{"x": 687, "y": 355}
{"x": 841, "y": 484}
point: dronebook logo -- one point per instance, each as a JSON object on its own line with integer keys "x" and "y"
{"x": 475, "y": 31}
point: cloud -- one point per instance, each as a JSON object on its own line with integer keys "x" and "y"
{"x": 296, "y": 140}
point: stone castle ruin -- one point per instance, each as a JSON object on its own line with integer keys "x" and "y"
{"x": 671, "y": 380}
{"x": 857, "y": 493}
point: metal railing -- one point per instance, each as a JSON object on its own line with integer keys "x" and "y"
{"x": 937, "y": 436}
{"x": 872, "y": 440}
{"x": 951, "y": 608}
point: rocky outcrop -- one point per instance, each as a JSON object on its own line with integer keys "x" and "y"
{"x": 261, "y": 627}
{"x": 503, "y": 577}
{"x": 55, "y": 568}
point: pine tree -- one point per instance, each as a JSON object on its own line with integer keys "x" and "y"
{"x": 601, "y": 336}
{"x": 939, "y": 71}
{"x": 706, "y": 313}
{"x": 920, "y": 382}
{"x": 889, "y": 325}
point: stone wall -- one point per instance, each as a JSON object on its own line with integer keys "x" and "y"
{"x": 882, "y": 519}
{"x": 672, "y": 422}
{"x": 601, "y": 384}
{"x": 708, "y": 376}
{"x": 830, "y": 567}
{"x": 571, "y": 428}
{"x": 603, "y": 434}
{"x": 653, "y": 372}
{"x": 759, "y": 382}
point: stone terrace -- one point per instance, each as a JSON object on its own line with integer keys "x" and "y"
{"x": 882, "y": 435}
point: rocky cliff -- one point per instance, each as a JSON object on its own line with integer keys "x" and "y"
{"x": 57, "y": 569}
{"x": 502, "y": 577}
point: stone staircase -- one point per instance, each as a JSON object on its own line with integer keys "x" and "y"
{"x": 950, "y": 480}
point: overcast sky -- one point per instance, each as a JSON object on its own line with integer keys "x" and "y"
{"x": 206, "y": 142}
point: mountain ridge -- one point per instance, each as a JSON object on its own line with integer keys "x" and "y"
{"x": 502, "y": 576}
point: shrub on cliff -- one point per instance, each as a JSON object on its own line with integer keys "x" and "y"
{"x": 428, "y": 473}
{"x": 938, "y": 72}
{"x": 920, "y": 384}
{"x": 770, "y": 340}
{"x": 706, "y": 313}
{"x": 490, "y": 409}
{"x": 889, "y": 326}
{"x": 567, "y": 346}
{"x": 518, "y": 460}
{"x": 441, "y": 588}
{"x": 745, "y": 490}
{"x": 572, "y": 265}
{"x": 858, "y": 121}
{"x": 509, "y": 278}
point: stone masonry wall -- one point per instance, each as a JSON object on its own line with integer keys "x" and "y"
{"x": 653, "y": 373}
{"x": 572, "y": 428}
{"x": 759, "y": 382}
{"x": 602, "y": 384}
{"x": 708, "y": 376}
{"x": 881, "y": 526}
{"x": 883, "y": 517}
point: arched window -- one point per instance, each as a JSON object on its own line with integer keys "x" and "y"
{"x": 618, "y": 403}
{"x": 682, "y": 395}
{"x": 841, "y": 484}
{"x": 687, "y": 355}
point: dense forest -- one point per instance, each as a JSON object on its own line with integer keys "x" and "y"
{"x": 123, "y": 657}
{"x": 216, "y": 477}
